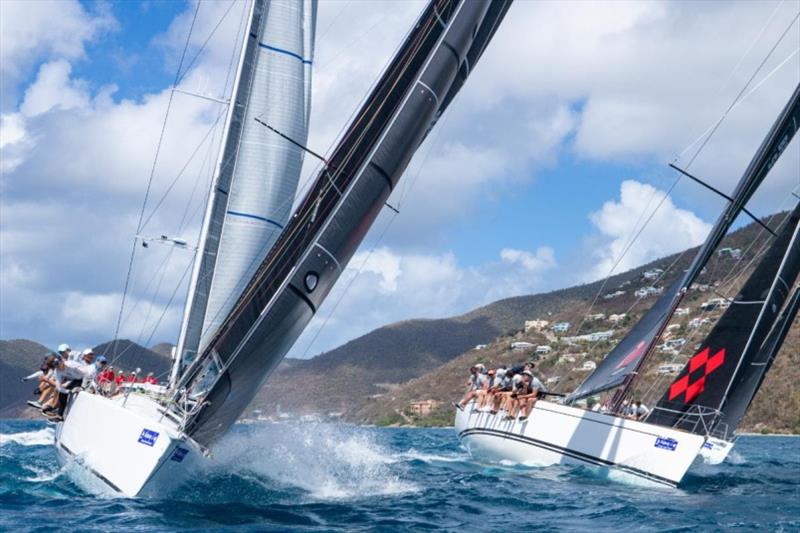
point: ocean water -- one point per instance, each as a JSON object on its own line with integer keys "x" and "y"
{"x": 323, "y": 477}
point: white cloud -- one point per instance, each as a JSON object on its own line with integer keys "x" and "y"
{"x": 542, "y": 259}
{"x": 30, "y": 31}
{"x": 54, "y": 89}
{"x": 671, "y": 229}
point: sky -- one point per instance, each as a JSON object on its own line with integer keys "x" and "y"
{"x": 536, "y": 178}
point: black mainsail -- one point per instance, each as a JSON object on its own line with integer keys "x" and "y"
{"x": 346, "y": 197}
{"x": 714, "y": 389}
{"x": 622, "y": 363}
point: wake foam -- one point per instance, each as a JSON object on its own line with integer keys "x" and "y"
{"x": 42, "y": 437}
{"x": 328, "y": 461}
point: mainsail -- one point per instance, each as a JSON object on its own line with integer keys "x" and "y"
{"x": 721, "y": 375}
{"x": 628, "y": 356}
{"x": 333, "y": 218}
{"x": 258, "y": 170}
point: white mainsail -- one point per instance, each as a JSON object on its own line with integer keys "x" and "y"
{"x": 258, "y": 170}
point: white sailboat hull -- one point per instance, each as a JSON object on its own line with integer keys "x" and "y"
{"x": 558, "y": 434}
{"x": 126, "y": 447}
{"x": 714, "y": 451}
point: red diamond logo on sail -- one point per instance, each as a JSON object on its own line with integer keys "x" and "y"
{"x": 637, "y": 352}
{"x": 692, "y": 389}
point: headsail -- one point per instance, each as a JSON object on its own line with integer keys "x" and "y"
{"x": 325, "y": 231}
{"x": 627, "y": 357}
{"x": 714, "y": 378}
{"x": 258, "y": 170}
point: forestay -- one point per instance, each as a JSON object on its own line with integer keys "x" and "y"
{"x": 627, "y": 357}
{"x": 258, "y": 170}
{"x": 343, "y": 202}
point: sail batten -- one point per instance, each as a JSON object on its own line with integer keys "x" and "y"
{"x": 622, "y": 363}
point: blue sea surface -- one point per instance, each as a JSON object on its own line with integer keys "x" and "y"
{"x": 323, "y": 477}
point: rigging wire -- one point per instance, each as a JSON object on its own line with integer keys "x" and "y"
{"x": 710, "y": 133}
{"x": 150, "y": 181}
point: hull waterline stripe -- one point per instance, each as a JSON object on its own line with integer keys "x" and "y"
{"x": 256, "y": 217}
{"x": 590, "y": 459}
{"x": 90, "y": 469}
{"x": 287, "y": 52}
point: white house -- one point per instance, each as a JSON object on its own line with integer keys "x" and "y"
{"x": 715, "y": 303}
{"x": 480, "y": 347}
{"x": 675, "y": 343}
{"x": 592, "y": 337}
{"x": 612, "y": 295}
{"x": 653, "y": 274}
{"x": 702, "y": 287}
{"x": 670, "y": 368}
{"x": 537, "y": 325}
{"x": 566, "y": 359}
{"x": 553, "y": 380}
{"x": 617, "y": 318}
{"x": 543, "y": 349}
{"x": 733, "y": 253}
{"x": 648, "y": 291}
{"x": 521, "y": 346}
{"x": 682, "y": 311}
{"x": 561, "y": 327}
{"x": 596, "y": 316}
{"x": 588, "y": 366}
{"x": 697, "y": 322}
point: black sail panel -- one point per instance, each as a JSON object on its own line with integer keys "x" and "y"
{"x": 693, "y": 399}
{"x": 626, "y": 358}
{"x": 343, "y": 202}
{"x": 750, "y": 378}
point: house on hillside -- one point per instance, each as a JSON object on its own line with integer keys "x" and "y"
{"x": 543, "y": 349}
{"x": 612, "y": 295}
{"x": 733, "y": 253}
{"x": 568, "y": 358}
{"x": 702, "y": 287}
{"x": 648, "y": 291}
{"x": 652, "y": 274}
{"x": 587, "y": 366}
{"x": 561, "y": 327}
{"x": 480, "y": 347}
{"x": 670, "y": 368}
{"x": 423, "y": 407}
{"x": 592, "y": 337}
{"x": 552, "y": 380}
{"x": 697, "y": 322}
{"x": 682, "y": 311}
{"x": 521, "y": 346}
{"x": 536, "y": 325}
{"x": 715, "y": 303}
{"x": 597, "y": 316}
{"x": 614, "y": 319}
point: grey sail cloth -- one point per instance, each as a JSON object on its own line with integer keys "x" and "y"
{"x": 627, "y": 357}
{"x": 699, "y": 392}
{"x": 258, "y": 171}
{"x": 332, "y": 220}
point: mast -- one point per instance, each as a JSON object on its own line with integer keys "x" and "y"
{"x": 624, "y": 361}
{"x": 341, "y": 205}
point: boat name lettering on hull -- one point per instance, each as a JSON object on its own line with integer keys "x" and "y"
{"x": 666, "y": 443}
{"x": 148, "y": 437}
{"x": 179, "y": 454}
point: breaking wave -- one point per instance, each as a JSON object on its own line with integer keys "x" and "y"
{"x": 328, "y": 461}
{"x": 41, "y": 437}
